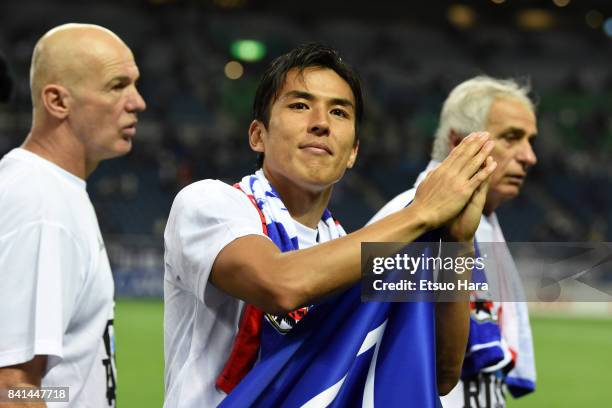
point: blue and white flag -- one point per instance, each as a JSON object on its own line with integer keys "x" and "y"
{"x": 342, "y": 353}
{"x": 346, "y": 353}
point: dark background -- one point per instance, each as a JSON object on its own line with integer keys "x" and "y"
{"x": 409, "y": 55}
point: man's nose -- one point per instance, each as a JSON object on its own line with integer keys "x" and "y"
{"x": 526, "y": 155}
{"x": 319, "y": 122}
{"x": 136, "y": 102}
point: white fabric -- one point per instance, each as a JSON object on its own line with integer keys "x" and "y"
{"x": 515, "y": 326}
{"x": 307, "y": 237}
{"x": 200, "y": 321}
{"x": 501, "y": 273}
{"x": 56, "y": 290}
{"x": 486, "y": 391}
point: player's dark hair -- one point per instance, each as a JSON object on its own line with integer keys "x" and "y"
{"x": 305, "y": 56}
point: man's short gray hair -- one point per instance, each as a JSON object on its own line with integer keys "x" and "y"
{"x": 467, "y": 107}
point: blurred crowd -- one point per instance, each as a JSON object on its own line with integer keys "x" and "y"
{"x": 196, "y": 121}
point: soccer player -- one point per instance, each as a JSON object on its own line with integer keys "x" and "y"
{"x": 56, "y": 295}
{"x": 270, "y": 242}
{"x": 502, "y": 108}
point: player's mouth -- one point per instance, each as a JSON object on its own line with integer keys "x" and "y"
{"x": 317, "y": 148}
{"x": 516, "y": 179}
{"x": 129, "y": 131}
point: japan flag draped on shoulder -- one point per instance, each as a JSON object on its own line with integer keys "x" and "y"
{"x": 342, "y": 353}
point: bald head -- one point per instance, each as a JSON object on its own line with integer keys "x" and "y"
{"x": 83, "y": 81}
{"x": 70, "y": 54}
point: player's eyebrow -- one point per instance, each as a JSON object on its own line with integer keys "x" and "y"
{"x": 310, "y": 97}
{"x": 520, "y": 132}
{"x": 342, "y": 102}
{"x": 122, "y": 79}
{"x": 512, "y": 129}
{"x": 299, "y": 95}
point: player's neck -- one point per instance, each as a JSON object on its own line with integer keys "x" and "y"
{"x": 60, "y": 150}
{"x": 490, "y": 206}
{"x": 305, "y": 205}
{"x": 307, "y": 209}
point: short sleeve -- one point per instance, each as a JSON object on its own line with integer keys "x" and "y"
{"x": 399, "y": 202}
{"x": 205, "y": 217}
{"x": 41, "y": 270}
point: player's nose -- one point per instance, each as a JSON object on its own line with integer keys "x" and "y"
{"x": 319, "y": 122}
{"x": 136, "y": 102}
{"x": 527, "y": 155}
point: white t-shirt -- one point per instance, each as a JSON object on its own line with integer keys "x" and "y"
{"x": 201, "y": 321}
{"x": 56, "y": 287}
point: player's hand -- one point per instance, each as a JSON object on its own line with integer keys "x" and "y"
{"x": 463, "y": 227}
{"x": 447, "y": 189}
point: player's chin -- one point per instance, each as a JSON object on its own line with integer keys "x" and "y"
{"x": 509, "y": 191}
{"x": 122, "y": 147}
{"x": 318, "y": 179}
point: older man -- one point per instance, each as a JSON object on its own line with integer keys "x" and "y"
{"x": 56, "y": 297}
{"x": 504, "y": 110}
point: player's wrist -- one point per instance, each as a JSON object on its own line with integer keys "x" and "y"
{"x": 466, "y": 240}
{"x": 422, "y": 217}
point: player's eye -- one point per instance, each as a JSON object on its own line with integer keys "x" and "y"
{"x": 119, "y": 86}
{"x": 511, "y": 136}
{"x": 340, "y": 112}
{"x": 298, "y": 106}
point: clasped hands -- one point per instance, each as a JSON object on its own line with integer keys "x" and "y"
{"x": 453, "y": 195}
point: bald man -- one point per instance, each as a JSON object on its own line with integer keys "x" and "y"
{"x": 56, "y": 291}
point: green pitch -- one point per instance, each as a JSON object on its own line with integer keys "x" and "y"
{"x": 139, "y": 353}
{"x": 573, "y": 362}
{"x": 574, "y": 359}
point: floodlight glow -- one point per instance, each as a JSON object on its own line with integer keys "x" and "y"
{"x": 561, "y": 3}
{"x": 233, "y": 70}
{"x": 248, "y": 50}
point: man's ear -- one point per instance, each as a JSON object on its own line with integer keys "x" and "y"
{"x": 256, "y": 132}
{"x": 55, "y": 100}
{"x": 353, "y": 156}
{"x": 454, "y": 139}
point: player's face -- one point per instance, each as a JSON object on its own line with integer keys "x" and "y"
{"x": 107, "y": 102}
{"x": 512, "y": 125}
{"x": 310, "y": 138}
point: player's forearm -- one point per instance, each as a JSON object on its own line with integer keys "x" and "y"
{"x": 23, "y": 376}
{"x": 321, "y": 270}
{"x": 452, "y": 326}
